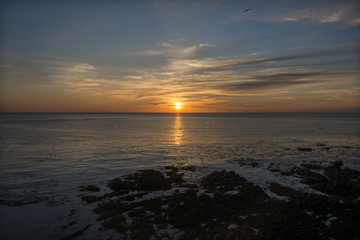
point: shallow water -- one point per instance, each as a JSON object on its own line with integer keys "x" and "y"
{"x": 45, "y": 155}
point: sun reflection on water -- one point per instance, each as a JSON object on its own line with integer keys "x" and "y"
{"x": 178, "y": 131}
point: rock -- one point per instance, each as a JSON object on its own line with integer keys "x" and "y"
{"x": 89, "y": 198}
{"x": 221, "y": 198}
{"x": 77, "y": 233}
{"x": 304, "y": 149}
{"x": 89, "y": 188}
{"x": 334, "y": 180}
{"x": 338, "y": 163}
{"x": 145, "y": 180}
{"x": 222, "y": 180}
{"x": 311, "y": 166}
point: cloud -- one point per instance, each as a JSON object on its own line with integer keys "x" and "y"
{"x": 78, "y": 78}
{"x": 172, "y": 50}
{"x": 79, "y": 68}
{"x": 222, "y": 84}
{"x": 347, "y": 12}
{"x": 217, "y": 79}
{"x": 269, "y": 81}
{"x": 230, "y": 64}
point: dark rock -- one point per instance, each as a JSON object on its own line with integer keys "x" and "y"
{"x": 304, "y": 149}
{"x": 231, "y": 199}
{"x": 337, "y": 163}
{"x": 72, "y": 212}
{"x": 311, "y": 166}
{"x": 77, "y": 233}
{"x": 254, "y": 164}
{"x": 145, "y": 180}
{"x": 89, "y": 198}
{"x": 222, "y": 180}
{"x": 118, "y": 184}
{"x": 89, "y": 188}
{"x": 346, "y": 147}
{"x": 174, "y": 177}
{"x": 281, "y": 190}
{"x": 335, "y": 180}
{"x": 189, "y": 168}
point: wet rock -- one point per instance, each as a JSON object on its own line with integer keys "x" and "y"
{"x": 304, "y": 149}
{"x": 69, "y": 224}
{"x": 334, "y": 180}
{"x": 254, "y": 164}
{"x": 190, "y": 209}
{"x": 90, "y": 198}
{"x": 89, "y": 188}
{"x": 337, "y": 163}
{"x": 311, "y": 166}
{"x": 222, "y": 180}
{"x": 77, "y": 233}
{"x": 189, "y": 168}
{"x": 174, "y": 176}
{"x": 222, "y": 199}
{"x": 120, "y": 185}
{"x": 72, "y": 212}
{"x": 346, "y": 147}
{"x": 145, "y": 180}
{"x": 281, "y": 190}
{"x": 245, "y": 162}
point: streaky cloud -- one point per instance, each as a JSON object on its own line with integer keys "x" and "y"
{"x": 254, "y": 85}
{"x": 280, "y": 80}
{"x": 347, "y": 12}
{"x": 224, "y": 64}
{"x": 175, "y": 50}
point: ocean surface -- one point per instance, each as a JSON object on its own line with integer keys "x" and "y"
{"x": 46, "y": 154}
{"x": 46, "y": 157}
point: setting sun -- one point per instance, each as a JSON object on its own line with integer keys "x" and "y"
{"x": 177, "y": 106}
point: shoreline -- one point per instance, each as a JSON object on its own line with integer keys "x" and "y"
{"x": 181, "y": 201}
{"x": 153, "y": 204}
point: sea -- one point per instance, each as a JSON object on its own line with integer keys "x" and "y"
{"x": 45, "y": 157}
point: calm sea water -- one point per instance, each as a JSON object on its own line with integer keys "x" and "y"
{"x": 46, "y": 155}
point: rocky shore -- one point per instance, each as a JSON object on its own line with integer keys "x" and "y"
{"x": 186, "y": 202}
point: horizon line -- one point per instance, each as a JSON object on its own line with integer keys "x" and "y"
{"x": 38, "y": 112}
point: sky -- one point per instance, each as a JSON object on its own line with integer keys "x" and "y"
{"x": 180, "y": 56}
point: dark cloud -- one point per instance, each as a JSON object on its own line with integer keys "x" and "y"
{"x": 224, "y": 65}
{"x": 254, "y": 85}
{"x": 309, "y": 64}
{"x": 288, "y": 76}
{"x": 280, "y": 80}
